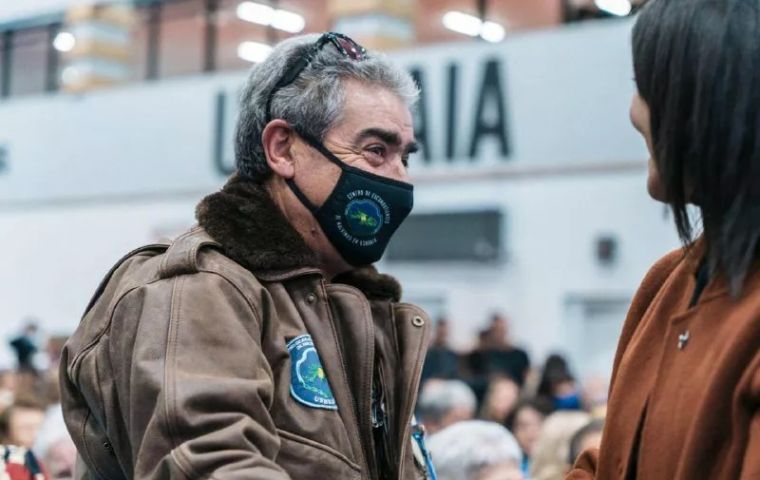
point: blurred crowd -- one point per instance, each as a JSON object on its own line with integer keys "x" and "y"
{"x": 492, "y": 415}
{"x": 34, "y": 442}
{"x": 489, "y": 414}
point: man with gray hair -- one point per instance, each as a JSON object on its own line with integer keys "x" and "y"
{"x": 262, "y": 344}
{"x": 445, "y": 402}
{"x": 476, "y": 450}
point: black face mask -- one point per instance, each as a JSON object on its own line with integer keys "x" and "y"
{"x": 363, "y": 211}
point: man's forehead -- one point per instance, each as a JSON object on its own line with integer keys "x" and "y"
{"x": 370, "y": 108}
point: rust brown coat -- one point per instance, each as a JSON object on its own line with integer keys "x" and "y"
{"x": 686, "y": 382}
{"x": 180, "y": 369}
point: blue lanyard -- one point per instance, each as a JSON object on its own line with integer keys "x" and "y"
{"x": 418, "y": 434}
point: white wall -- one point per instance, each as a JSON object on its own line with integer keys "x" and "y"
{"x": 53, "y": 258}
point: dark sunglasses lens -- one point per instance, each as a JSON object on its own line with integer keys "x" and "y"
{"x": 352, "y": 49}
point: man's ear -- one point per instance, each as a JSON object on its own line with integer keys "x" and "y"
{"x": 277, "y": 140}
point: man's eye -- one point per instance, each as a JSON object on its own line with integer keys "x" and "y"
{"x": 376, "y": 153}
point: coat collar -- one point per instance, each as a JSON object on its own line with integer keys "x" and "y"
{"x": 718, "y": 285}
{"x": 253, "y": 232}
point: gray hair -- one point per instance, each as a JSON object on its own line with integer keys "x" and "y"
{"x": 313, "y": 103}
{"x": 439, "y": 397}
{"x": 462, "y": 450}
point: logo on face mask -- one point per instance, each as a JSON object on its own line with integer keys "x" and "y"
{"x": 364, "y": 216}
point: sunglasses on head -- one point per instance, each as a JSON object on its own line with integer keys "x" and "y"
{"x": 344, "y": 44}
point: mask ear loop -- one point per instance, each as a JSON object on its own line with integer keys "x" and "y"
{"x": 318, "y": 146}
{"x": 298, "y": 193}
{"x": 314, "y": 143}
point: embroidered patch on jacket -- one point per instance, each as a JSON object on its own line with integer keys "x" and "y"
{"x": 308, "y": 381}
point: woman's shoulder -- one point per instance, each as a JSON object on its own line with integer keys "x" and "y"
{"x": 651, "y": 285}
{"x": 660, "y": 271}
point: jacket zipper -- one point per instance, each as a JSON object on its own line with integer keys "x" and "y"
{"x": 384, "y": 424}
{"x": 363, "y": 443}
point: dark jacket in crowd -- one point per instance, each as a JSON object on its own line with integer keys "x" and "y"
{"x": 25, "y": 349}
{"x": 511, "y": 362}
{"x": 441, "y": 362}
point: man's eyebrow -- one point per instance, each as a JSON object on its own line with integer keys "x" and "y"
{"x": 413, "y": 147}
{"x": 387, "y": 136}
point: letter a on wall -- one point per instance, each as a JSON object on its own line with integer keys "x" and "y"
{"x": 490, "y": 95}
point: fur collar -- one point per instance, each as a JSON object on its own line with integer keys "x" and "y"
{"x": 253, "y": 232}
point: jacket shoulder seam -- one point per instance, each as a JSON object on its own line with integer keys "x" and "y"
{"x": 76, "y": 360}
{"x": 234, "y": 284}
{"x": 170, "y": 356}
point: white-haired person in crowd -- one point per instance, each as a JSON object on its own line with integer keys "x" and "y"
{"x": 476, "y": 450}
{"x": 445, "y": 402}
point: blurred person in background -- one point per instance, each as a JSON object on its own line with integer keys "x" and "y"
{"x": 262, "y": 344}
{"x": 18, "y": 463}
{"x": 685, "y": 396}
{"x": 60, "y": 458}
{"x": 504, "y": 357}
{"x": 594, "y": 393}
{"x": 565, "y": 392}
{"x": 551, "y": 454}
{"x": 554, "y": 365}
{"x": 558, "y": 385}
{"x": 477, "y": 366}
{"x": 53, "y": 443}
{"x": 445, "y": 402}
{"x": 19, "y": 426}
{"x": 501, "y": 399}
{"x": 8, "y": 386}
{"x": 441, "y": 361}
{"x": 495, "y": 355}
{"x": 476, "y": 450}
{"x": 588, "y": 437}
{"x": 53, "y": 350}
{"x": 21, "y": 422}
{"x": 525, "y": 424}
{"x": 25, "y": 346}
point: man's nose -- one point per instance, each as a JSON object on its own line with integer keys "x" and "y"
{"x": 399, "y": 170}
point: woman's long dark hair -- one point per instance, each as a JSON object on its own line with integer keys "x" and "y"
{"x": 697, "y": 66}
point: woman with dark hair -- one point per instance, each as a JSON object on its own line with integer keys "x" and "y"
{"x": 685, "y": 395}
{"x": 525, "y": 424}
{"x": 555, "y": 366}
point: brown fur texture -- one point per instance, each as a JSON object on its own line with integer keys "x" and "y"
{"x": 253, "y": 232}
{"x": 375, "y": 285}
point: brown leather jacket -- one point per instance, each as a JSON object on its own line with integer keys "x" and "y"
{"x": 226, "y": 355}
